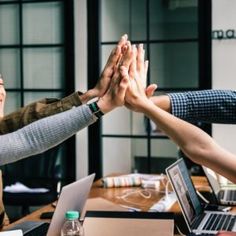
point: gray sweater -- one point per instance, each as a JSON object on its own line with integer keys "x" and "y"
{"x": 44, "y": 134}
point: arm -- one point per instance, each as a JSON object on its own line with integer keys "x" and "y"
{"x": 43, "y": 134}
{"x": 194, "y": 142}
{"x": 50, "y": 106}
{"x": 48, "y": 132}
{"x": 2, "y": 97}
{"x": 200, "y": 105}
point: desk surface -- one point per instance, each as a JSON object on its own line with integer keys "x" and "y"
{"x": 134, "y": 199}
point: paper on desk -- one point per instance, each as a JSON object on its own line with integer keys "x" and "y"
{"x": 17, "y": 232}
{"x": 21, "y": 188}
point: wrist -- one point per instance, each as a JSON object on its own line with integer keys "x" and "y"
{"x": 162, "y": 101}
{"x": 104, "y": 106}
{"x": 95, "y": 109}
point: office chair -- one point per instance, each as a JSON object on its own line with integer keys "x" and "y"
{"x": 39, "y": 171}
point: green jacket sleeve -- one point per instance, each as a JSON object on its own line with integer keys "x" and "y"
{"x": 37, "y": 110}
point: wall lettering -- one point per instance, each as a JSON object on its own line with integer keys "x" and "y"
{"x": 224, "y": 34}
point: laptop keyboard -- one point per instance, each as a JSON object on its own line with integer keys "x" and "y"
{"x": 230, "y": 195}
{"x": 218, "y": 222}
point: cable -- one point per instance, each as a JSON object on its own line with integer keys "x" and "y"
{"x": 202, "y": 197}
{"x": 179, "y": 231}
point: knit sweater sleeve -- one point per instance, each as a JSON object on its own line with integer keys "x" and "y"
{"x": 44, "y": 134}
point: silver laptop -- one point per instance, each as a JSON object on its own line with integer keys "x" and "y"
{"x": 224, "y": 196}
{"x": 72, "y": 197}
{"x": 198, "y": 220}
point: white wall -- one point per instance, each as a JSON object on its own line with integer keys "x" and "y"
{"x": 224, "y": 64}
{"x": 80, "y": 12}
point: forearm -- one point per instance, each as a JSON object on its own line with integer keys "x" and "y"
{"x": 162, "y": 101}
{"x": 37, "y": 110}
{"x": 43, "y": 134}
{"x": 210, "y": 106}
{"x": 195, "y": 143}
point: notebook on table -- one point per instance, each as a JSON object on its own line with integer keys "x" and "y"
{"x": 105, "y": 223}
{"x": 197, "y": 218}
{"x": 223, "y": 195}
{"x": 73, "y": 197}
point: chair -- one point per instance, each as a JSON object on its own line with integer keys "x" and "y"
{"x": 39, "y": 171}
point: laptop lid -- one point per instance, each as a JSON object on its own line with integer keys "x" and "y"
{"x": 103, "y": 223}
{"x": 72, "y": 197}
{"x": 185, "y": 191}
{"x": 212, "y": 179}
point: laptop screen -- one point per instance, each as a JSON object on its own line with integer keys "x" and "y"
{"x": 185, "y": 191}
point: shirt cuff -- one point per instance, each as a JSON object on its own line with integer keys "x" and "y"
{"x": 71, "y": 100}
{"x": 179, "y": 104}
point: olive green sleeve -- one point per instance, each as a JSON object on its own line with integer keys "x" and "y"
{"x": 37, "y": 110}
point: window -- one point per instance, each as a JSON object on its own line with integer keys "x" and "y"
{"x": 36, "y": 48}
{"x": 175, "y": 35}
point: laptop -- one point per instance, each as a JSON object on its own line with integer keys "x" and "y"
{"x": 72, "y": 197}
{"x": 197, "y": 218}
{"x": 223, "y": 195}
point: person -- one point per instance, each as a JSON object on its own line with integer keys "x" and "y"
{"x": 2, "y": 97}
{"x": 207, "y": 106}
{"x": 45, "y": 133}
{"x": 50, "y": 106}
{"x": 194, "y": 142}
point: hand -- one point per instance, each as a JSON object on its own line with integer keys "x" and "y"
{"x": 2, "y": 97}
{"x": 115, "y": 95}
{"x": 226, "y": 233}
{"x": 136, "y": 96}
{"x": 108, "y": 71}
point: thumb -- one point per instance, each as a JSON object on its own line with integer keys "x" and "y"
{"x": 150, "y": 90}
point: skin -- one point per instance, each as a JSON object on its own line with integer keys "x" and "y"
{"x": 2, "y": 97}
{"x": 106, "y": 76}
{"x": 194, "y": 142}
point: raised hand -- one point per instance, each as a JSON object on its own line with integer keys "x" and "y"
{"x": 109, "y": 69}
{"x": 115, "y": 95}
{"x": 136, "y": 96}
{"x": 2, "y": 97}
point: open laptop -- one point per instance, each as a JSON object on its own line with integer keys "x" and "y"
{"x": 72, "y": 197}
{"x": 223, "y": 195}
{"x": 198, "y": 219}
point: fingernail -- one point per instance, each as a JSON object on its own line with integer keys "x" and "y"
{"x": 141, "y": 45}
{"x": 125, "y": 36}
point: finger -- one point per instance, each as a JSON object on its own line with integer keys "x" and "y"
{"x": 144, "y": 77}
{"x": 123, "y": 45}
{"x": 115, "y": 78}
{"x": 123, "y": 87}
{"x": 140, "y": 57}
{"x": 132, "y": 69}
{"x": 1, "y": 82}
{"x": 128, "y": 56}
{"x": 123, "y": 40}
{"x": 112, "y": 60}
{"x": 150, "y": 90}
{"x": 124, "y": 72}
{"x": 146, "y": 64}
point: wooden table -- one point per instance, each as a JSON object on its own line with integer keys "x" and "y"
{"x": 115, "y": 195}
